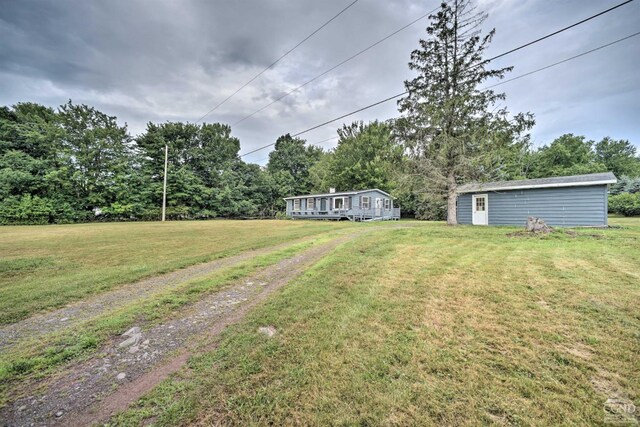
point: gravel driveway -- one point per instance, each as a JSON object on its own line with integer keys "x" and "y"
{"x": 95, "y": 306}
{"x": 129, "y": 366}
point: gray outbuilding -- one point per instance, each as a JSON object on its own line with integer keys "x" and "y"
{"x": 566, "y": 201}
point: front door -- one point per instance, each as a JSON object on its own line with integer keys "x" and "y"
{"x": 323, "y": 205}
{"x": 379, "y": 203}
{"x": 480, "y": 207}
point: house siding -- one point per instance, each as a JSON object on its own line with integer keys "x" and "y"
{"x": 374, "y": 195}
{"x": 563, "y": 206}
{"x": 353, "y": 203}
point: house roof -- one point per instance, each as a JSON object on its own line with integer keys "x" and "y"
{"x": 559, "y": 181}
{"x": 338, "y": 193}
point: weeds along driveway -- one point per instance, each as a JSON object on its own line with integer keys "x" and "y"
{"x": 75, "y": 313}
{"x": 131, "y": 365}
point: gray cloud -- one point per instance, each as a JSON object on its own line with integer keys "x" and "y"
{"x": 158, "y": 60}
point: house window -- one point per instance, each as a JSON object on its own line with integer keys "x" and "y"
{"x": 480, "y": 204}
{"x": 311, "y": 204}
{"x": 365, "y": 202}
{"x": 338, "y": 203}
{"x": 387, "y": 204}
{"x": 296, "y": 204}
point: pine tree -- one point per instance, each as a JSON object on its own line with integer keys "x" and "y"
{"x": 449, "y": 124}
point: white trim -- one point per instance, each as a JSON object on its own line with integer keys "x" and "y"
{"x": 344, "y": 204}
{"x": 528, "y": 186}
{"x": 368, "y": 202}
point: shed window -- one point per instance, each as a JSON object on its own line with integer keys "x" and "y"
{"x": 296, "y": 204}
{"x": 338, "y": 203}
{"x": 480, "y": 204}
{"x": 387, "y": 204}
{"x": 365, "y": 202}
{"x": 311, "y": 204}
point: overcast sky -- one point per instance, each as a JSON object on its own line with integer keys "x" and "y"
{"x": 165, "y": 60}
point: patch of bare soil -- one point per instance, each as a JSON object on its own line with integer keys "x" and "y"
{"x": 573, "y": 233}
{"x": 126, "y": 368}
{"x": 579, "y": 350}
{"x": 84, "y": 310}
{"x": 523, "y": 234}
{"x": 570, "y": 233}
{"x": 543, "y": 304}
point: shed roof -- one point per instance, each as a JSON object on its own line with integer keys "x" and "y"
{"x": 338, "y": 193}
{"x": 559, "y": 181}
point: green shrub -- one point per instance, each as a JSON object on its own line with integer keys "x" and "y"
{"x": 625, "y": 204}
{"x": 25, "y": 210}
{"x": 281, "y": 215}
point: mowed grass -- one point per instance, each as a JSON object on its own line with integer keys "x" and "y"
{"x": 43, "y": 267}
{"x": 431, "y": 325}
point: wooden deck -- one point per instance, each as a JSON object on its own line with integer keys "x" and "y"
{"x": 349, "y": 214}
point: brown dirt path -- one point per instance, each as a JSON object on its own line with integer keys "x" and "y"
{"x": 91, "y": 391}
{"x": 75, "y": 313}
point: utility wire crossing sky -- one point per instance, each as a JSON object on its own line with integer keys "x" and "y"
{"x": 275, "y": 62}
{"x": 488, "y": 60}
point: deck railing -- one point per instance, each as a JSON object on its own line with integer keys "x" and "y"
{"x": 356, "y": 214}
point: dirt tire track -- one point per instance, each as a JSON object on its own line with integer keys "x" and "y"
{"x": 84, "y": 394}
{"x": 75, "y": 313}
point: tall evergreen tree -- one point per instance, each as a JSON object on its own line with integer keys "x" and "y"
{"x": 448, "y": 122}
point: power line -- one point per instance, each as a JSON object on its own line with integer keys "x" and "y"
{"x": 277, "y": 60}
{"x": 262, "y": 148}
{"x": 408, "y": 25}
{"x": 563, "y": 61}
{"x": 560, "y": 30}
{"x": 406, "y": 92}
{"x": 325, "y": 140}
{"x": 337, "y": 66}
{"x": 311, "y": 143}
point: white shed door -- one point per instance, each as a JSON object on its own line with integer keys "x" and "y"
{"x": 480, "y": 209}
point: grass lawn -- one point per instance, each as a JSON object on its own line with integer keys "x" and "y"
{"x": 42, "y": 267}
{"x": 430, "y": 325}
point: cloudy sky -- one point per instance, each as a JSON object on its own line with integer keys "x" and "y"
{"x": 165, "y": 60}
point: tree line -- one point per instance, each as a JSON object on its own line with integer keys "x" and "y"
{"x": 77, "y": 164}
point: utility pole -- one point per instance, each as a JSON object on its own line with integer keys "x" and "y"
{"x": 164, "y": 190}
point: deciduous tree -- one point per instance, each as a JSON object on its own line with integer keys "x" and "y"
{"x": 367, "y": 156}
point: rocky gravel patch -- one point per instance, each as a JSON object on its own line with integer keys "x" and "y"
{"x": 84, "y": 310}
{"x": 133, "y": 363}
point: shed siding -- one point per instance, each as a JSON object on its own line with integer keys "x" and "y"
{"x": 464, "y": 208}
{"x": 566, "y": 206}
